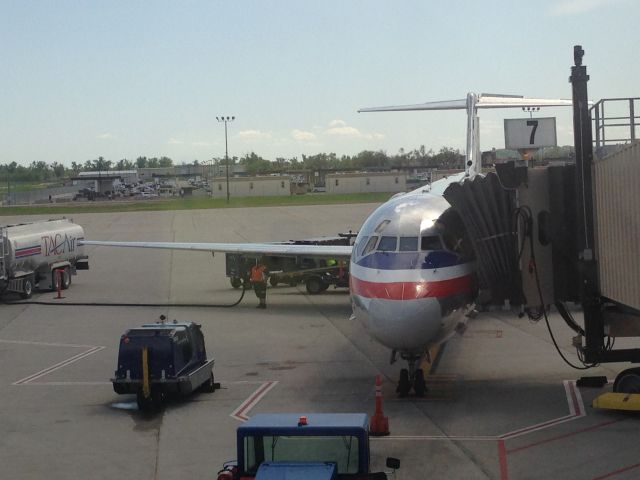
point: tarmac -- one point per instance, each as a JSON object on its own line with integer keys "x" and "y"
{"x": 501, "y": 403}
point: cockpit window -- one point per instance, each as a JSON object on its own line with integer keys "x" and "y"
{"x": 431, "y": 242}
{"x": 408, "y": 244}
{"x": 370, "y": 246}
{"x": 387, "y": 244}
{"x": 381, "y": 226}
{"x": 361, "y": 245}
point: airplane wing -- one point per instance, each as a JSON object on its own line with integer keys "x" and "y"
{"x": 441, "y": 105}
{"x": 324, "y": 251}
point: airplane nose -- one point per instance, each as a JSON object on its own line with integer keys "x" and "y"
{"x": 406, "y": 325}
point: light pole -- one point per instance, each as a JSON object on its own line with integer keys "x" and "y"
{"x": 226, "y": 147}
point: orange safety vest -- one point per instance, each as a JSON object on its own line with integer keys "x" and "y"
{"x": 258, "y": 273}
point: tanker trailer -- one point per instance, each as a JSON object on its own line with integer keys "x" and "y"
{"x": 31, "y": 254}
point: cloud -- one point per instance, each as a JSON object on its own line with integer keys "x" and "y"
{"x": 337, "y": 123}
{"x": 575, "y": 7}
{"x": 106, "y": 136}
{"x": 174, "y": 141}
{"x": 201, "y": 144}
{"x": 339, "y": 128}
{"x": 303, "y": 136}
{"x": 252, "y": 135}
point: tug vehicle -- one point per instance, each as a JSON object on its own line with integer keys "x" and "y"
{"x": 161, "y": 359}
{"x": 319, "y": 446}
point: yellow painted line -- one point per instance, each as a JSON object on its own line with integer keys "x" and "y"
{"x": 433, "y": 353}
{"x": 146, "y": 390}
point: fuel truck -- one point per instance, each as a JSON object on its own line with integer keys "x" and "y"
{"x": 43, "y": 254}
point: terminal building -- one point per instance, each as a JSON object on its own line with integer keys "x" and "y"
{"x": 363, "y": 182}
{"x": 270, "y": 186}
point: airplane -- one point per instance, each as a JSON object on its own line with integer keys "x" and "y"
{"x": 412, "y": 267}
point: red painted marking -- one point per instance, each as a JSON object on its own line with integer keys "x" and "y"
{"x": 248, "y": 402}
{"x": 538, "y": 426}
{"x": 566, "y": 435}
{"x": 502, "y": 456}
{"x": 616, "y": 472}
{"x": 411, "y": 290}
{"x": 574, "y": 399}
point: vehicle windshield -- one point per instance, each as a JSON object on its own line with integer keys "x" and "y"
{"x": 340, "y": 449}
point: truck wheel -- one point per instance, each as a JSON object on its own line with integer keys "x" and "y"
{"x": 627, "y": 381}
{"x": 315, "y": 285}
{"x": 66, "y": 278}
{"x": 27, "y": 288}
{"x": 144, "y": 404}
{"x": 273, "y": 281}
{"x": 153, "y": 403}
{"x": 55, "y": 281}
{"x": 210, "y": 385}
{"x": 236, "y": 282}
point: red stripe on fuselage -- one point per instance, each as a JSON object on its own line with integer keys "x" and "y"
{"x": 411, "y": 290}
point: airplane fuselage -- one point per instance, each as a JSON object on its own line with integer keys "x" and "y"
{"x": 410, "y": 268}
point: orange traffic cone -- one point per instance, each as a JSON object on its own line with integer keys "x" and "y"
{"x": 378, "y": 424}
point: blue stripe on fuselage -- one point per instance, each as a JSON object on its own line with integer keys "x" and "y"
{"x": 409, "y": 260}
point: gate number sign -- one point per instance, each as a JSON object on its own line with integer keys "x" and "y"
{"x": 520, "y": 133}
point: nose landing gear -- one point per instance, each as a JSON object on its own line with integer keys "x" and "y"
{"x": 411, "y": 377}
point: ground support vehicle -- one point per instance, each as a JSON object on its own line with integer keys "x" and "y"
{"x": 45, "y": 254}
{"x": 321, "y": 446}
{"x": 316, "y": 280}
{"x": 161, "y": 359}
{"x": 317, "y": 274}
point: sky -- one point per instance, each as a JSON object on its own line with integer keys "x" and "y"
{"x": 122, "y": 79}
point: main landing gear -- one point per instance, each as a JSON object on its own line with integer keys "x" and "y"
{"x": 411, "y": 377}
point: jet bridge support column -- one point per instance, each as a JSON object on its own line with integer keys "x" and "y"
{"x": 588, "y": 268}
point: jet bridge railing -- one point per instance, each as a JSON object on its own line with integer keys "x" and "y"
{"x": 614, "y": 122}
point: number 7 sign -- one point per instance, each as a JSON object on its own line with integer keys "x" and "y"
{"x": 529, "y": 133}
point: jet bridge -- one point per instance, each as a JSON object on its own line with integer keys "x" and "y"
{"x": 568, "y": 233}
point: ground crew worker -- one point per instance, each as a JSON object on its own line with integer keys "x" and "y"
{"x": 258, "y": 279}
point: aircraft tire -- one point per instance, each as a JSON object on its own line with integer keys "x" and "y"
{"x": 404, "y": 385}
{"x": 419, "y": 385}
{"x": 210, "y": 385}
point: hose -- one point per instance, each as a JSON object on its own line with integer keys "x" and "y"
{"x": 116, "y": 304}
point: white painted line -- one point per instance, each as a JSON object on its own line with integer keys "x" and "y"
{"x": 454, "y": 438}
{"x": 576, "y": 410}
{"x": 46, "y": 344}
{"x": 240, "y": 412}
{"x": 573, "y": 397}
{"x": 64, "y": 384}
{"x": 58, "y": 366}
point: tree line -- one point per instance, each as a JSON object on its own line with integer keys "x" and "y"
{"x": 445, "y": 158}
